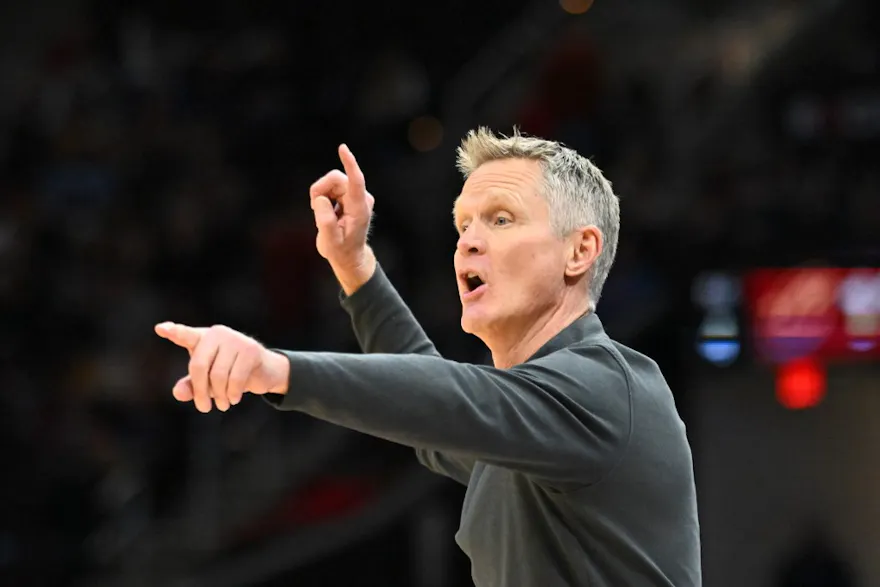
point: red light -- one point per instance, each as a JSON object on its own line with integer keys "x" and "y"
{"x": 800, "y": 384}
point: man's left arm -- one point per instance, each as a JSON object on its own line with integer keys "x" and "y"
{"x": 562, "y": 418}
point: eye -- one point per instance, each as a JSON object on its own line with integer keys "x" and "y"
{"x": 502, "y": 220}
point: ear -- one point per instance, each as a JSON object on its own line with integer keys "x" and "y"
{"x": 585, "y": 246}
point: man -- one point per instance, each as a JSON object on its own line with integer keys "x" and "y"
{"x": 577, "y": 466}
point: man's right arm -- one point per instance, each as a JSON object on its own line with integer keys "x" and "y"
{"x": 383, "y": 323}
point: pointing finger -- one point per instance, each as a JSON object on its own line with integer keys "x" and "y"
{"x": 357, "y": 186}
{"x": 181, "y": 335}
{"x": 352, "y": 169}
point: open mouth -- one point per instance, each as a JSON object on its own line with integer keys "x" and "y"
{"x": 472, "y": 281}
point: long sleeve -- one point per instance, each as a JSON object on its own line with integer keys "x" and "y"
{"x": 562, "y": 418}
{"x": 383, "y": 323}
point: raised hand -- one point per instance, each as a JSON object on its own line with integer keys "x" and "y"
{"x": 343, "y": 209}
{"x": 223, "y": 365}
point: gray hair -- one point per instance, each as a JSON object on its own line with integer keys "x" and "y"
{"x": 575, "y": 189}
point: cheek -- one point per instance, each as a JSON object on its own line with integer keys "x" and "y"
{"x": 538, "y": 264}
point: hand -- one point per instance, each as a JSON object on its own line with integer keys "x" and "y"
{"x": 223, "y": 365}
{"x": 343, "y": 209}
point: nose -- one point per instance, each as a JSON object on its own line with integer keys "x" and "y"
{"x": 470, "y": 242}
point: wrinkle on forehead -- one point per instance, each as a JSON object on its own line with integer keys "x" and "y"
{"x": 501, "y": 179}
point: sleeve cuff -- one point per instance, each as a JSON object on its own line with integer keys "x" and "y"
{"x": 278, "y": 400}
{"x": 363, "y": 298}
{"x": 273, "y": 399}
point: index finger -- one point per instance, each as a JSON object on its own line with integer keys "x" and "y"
{"x": 180, "y": 334}
{"x": 357, "y": 185}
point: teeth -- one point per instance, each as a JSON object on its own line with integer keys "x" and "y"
{"x": 471, "y": 275}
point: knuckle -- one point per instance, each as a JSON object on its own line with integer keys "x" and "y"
{"x": 330, "y": 180}
{"x": 218, "y": 330}
{"x": 250, "y": 354}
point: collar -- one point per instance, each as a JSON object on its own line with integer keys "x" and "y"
{"x": 586, "y": 329}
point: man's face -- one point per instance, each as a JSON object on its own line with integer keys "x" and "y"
{"x": 509, "y": 263}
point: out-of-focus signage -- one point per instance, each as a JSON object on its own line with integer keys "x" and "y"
{"x": 827, "y": 313}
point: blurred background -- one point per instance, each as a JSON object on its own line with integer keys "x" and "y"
{"x": 155, "y": 158}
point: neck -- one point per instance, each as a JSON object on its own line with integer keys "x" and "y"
{"x": 516, "y": 347}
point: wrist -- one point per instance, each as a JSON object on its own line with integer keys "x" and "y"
{"x": 277, "y": 367}
{"x": 355, "y": 275}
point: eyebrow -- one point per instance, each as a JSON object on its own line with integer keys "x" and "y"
{"x": 492, "y": 199}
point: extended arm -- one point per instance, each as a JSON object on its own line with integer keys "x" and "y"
{"x": 562, "y": 418}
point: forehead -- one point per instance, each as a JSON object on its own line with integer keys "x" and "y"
{"x": 504, "y": 179}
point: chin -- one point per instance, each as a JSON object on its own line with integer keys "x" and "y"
{"x": 468, "y": 322}
{"x": 473, "y": 321}
{"x": 467, "y": 325}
